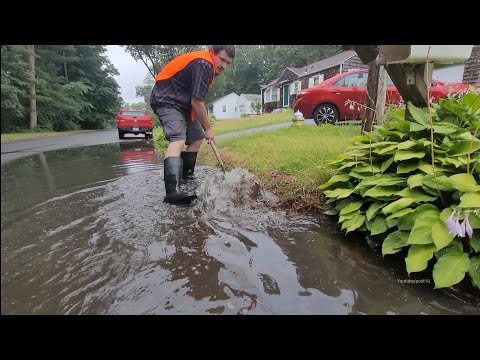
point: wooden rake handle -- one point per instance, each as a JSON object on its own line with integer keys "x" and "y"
{"x": 214, "y": 148}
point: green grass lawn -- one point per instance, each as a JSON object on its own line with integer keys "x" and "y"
{"x": 35, "y": 135}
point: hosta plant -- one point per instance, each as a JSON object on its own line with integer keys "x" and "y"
{"x": 414, "y": 186}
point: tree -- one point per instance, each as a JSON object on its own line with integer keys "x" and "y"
{"x": 155, "y": 57}
{"x": 255, "y": 106}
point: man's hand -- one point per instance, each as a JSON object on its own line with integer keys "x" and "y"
{"x": 209, "y": 135}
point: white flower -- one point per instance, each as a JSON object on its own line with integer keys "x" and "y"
{"x": 468, "y": 227}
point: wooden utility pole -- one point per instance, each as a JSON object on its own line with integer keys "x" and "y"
{"x": 381, "y": 92}
{"x": 371, "y": 96}
{"x": 31, "y": 73}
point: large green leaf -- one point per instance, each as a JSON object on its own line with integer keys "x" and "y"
{"x": 415, "y": 180}
{"x": 394, "y": 242}
{"x": 418, "y": 257}
{"x": 464, "y": 147}
{"x": 406, "y": 145}
{"x": 402, "y": 155}
{"x": 406, "y": 167}
{"x": 417, "y": 195}
{"x": 474, "y": 270}
{"x": 414, "y": 127}
{"x": 440, "y": 235}
{"x": 422, "y": 229}
{"x": 445, "y": 128}
{"x": 464, "y": 182}
{"x": 391, "y": 149}
{"x": 437, "y": 183}
{"x": 376, "y": 144}
{"x": 381, "y": 191}
{"x": 453, "y": 161}
{"x": 348, "y": 216}
{"x": 475, "y": 242}
{"x": 386, "y": 164}
{"x": 397, "y": 205}
{"x": 472, "y": 101}
{"x": 383, "y": 180}
{"x": 450, "y": 269}
{"x": 356, "y": 224}
{"x": 335, "y": 179}
{"x": 445, "y": 214}
{"x": 354, "y": 206}
{"x": 373, "y": 209}
{"x": 400, "y": 214}
{"x": 470, "y": 200}
{"x": 419, "y": 115}
{"x": 406, "y": 222}
{"x": 338, "y": 193}
{"x": 378, "y": 225}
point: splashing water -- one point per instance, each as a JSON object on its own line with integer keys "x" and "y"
{"x": 238, "y": 196}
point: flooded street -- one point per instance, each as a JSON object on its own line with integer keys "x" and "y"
{"x": 85, "y": 231}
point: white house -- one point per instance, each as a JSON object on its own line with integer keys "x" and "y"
{"x": 224, "y": 108}
{"x": 244, "y": 103}
{"x": 233, "y": 106}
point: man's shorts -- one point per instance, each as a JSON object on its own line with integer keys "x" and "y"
{"x": 176, "y": 126}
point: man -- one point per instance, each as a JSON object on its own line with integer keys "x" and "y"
{"x": 177, "y": 100}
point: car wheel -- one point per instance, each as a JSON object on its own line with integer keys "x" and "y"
{"x": 121, "y": 134}
{"x": 325, "y": 114}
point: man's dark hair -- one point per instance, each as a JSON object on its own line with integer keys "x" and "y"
{"x": 229, "y": 49}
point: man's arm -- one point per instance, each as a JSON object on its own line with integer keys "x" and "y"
{"x": 201, "y": 114}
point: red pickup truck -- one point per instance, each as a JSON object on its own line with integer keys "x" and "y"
{"x": 134, "y": 122}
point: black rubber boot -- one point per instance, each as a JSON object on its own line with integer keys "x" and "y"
{"x": 172, "y": 169}
{"x": 189, "y": 160}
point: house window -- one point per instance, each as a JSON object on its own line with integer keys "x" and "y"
{"x": 315, "y": 80}
{"x": 270, "y": 95}
{"x": 242, "y": 109}
{"x": 224, "y": 108}
{"x": 295, "y": 87}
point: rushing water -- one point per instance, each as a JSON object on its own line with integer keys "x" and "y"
{"x": 85, "y": 231}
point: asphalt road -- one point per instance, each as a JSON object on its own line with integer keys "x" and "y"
{"x": 20, "y": 148}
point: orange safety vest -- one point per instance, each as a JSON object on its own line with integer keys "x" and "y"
{"x": 180, "y": 62}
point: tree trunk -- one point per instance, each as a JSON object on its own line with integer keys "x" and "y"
{"x": 31, "y": 73}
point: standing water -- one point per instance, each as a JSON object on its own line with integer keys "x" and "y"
{"x": 85, "y": 231}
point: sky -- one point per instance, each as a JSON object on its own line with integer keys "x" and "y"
{"x": 131, "y": 72}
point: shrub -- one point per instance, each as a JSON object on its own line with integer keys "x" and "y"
{"x": 414, "y": 185}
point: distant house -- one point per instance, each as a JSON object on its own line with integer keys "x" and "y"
{"x": 281, "y": 92}
{"x": 232, "y": 106}
{"x": 224, "y": 107}
{"x": 467, "y": 72}
{"x": 244, "y": 103}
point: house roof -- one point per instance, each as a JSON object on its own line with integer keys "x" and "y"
{"x": 324, "y": 63}
{"x": 220, "y": 98}
{"x": 251, "y": 97}
{"x": 269, "y": 84}
{"x": 316, "y": 66}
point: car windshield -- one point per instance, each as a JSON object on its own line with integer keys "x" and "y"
{"x": 358, "y": 79}
{"x": 133, "y": 113}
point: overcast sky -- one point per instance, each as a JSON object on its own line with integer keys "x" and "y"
{"x": 131, "y": 72}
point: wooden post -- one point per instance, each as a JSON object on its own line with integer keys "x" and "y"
{"x": 411, "y": 80}
{"x": 371, "y": 97}
{"x": 31, "y": 73}
{"x": 381, "y": 95}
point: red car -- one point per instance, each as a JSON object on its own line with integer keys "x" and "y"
{"x": 134, "y": 122}
{"x": 343, "y": 96}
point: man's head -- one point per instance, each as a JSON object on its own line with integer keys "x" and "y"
{"x": 223, "y": 56}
